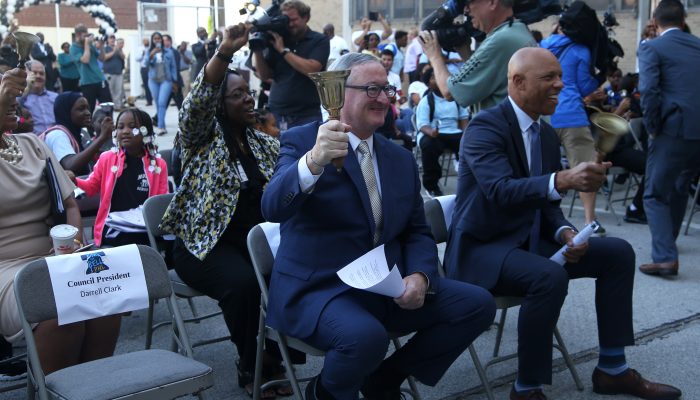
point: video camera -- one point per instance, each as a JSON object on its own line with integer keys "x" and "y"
{"x": 270, "y": 20}
{"x": 450, "y": 35}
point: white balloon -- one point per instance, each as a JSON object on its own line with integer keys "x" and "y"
{"x": 3, "y": 29}
{"x": 109, "y": 31}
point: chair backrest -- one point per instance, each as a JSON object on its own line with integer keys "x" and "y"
{"x": 636, "y": 131}
{"x": 167, "y": 156}
{"x": 36, "y": 300}
{"x": 435, "y": 215}
{"x": 153, "y": 210}
{"x": 262, "y": 258}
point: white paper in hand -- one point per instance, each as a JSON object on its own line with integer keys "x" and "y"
{"x": 371, "y": 272}
{"x": 580, "y": 238}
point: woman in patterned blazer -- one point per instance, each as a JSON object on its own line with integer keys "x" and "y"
{"x": 226, "y": 165}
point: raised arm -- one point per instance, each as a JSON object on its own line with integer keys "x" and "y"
{"x": 199, "y": 108}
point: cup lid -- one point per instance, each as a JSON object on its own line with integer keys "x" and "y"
{"x": 63, "y": 231}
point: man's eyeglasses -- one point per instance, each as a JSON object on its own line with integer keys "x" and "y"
{"x": 374, "y": 90}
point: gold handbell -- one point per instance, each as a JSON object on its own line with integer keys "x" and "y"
{"x": 331, "y": 89}
{"x": 24, "y": 43}
{"x": 610, "y": 128}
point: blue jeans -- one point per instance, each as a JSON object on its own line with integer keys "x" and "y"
{"x": 161, "y": 93}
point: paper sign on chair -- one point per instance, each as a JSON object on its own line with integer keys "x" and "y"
{"x": 97, "y": 283}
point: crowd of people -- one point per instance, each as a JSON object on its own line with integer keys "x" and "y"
{"x": 506, "y": 109}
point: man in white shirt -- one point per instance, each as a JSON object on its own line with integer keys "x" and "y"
{"x": 338, "y": 45}
{"x": 387, "y": 60}
{"x": 375, "y": 201}
{"x": 400, "y": 41}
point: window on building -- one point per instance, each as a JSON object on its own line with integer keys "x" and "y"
{"x": 414, "y": 10}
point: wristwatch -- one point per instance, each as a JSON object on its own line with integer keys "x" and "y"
{"x": 285, "y": 51}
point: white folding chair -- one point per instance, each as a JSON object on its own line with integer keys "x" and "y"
{"x": 146, "y": 374}
{"x": 439, "y": 225}
{"x": 263, "y": 259}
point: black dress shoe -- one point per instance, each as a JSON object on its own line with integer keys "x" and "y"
{"x": 631, "y": 382}
{"x": 534, "y": 394}
{"x": 635, "y": 217}
{"x": 373, "y": 390}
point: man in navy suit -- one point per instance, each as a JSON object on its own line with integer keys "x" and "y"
{"x": 670, "y": 101}
{"x": 507, "y": 223}
{"x": 330, "y": 218}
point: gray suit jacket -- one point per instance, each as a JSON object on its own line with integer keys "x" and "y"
{"x": 670, "y": 85}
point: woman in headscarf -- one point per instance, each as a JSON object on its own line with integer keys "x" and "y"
{"x": 25, "y": 220}
{"x": 126, "y": 176}
{"x": 64, "y": 139}
{"x": 227, "y": 165}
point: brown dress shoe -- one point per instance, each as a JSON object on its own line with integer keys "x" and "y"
{"x": 662, "y": 269}
{"x": 535, "y": 394}
{"x": 631, "y": 382}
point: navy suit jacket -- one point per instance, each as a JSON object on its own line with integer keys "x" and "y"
{"x": 496, "y": 196}
{"x": 326, "y": 229}
{"x": 668, "y": 82}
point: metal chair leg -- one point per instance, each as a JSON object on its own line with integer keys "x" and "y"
{"x": 573, "y": 200}
{"x": 257, "y": 380}
{"x": 291, "y": 375}
{"x": 192, "y": 307}
{"x": 499, "y": 332}
{"x": 693, "y": 209}
{"x": 608, "y": 201}
{"x": 567, "y": 359}
{"x": 481, "y": 372}
{"x": 149, "y": 324}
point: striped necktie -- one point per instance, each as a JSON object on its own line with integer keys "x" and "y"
{"x": 371, "y": 182}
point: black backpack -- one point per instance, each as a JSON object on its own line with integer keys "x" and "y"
{"x": 580, "y": 23}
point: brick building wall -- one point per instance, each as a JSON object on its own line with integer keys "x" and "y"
{"x": 44, "y": 15}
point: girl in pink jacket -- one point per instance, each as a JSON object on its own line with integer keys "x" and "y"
{"x": 126, "y": 176}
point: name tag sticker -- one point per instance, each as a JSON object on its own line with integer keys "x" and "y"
{"x": 98, "y": 283}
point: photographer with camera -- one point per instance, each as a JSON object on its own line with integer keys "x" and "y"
{"x": 288, "y": 60}
{"x": 482, "y": 80}
{"x": 87, "y": 50}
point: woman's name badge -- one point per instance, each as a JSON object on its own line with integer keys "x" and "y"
{"x": 241, "y": 172}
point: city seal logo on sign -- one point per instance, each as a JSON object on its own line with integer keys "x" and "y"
{"x": 94, "y": 262}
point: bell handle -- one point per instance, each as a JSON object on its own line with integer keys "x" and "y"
{"x": 340, "y": 161}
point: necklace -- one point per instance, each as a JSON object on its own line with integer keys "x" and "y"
{"x": 11, "y": 153}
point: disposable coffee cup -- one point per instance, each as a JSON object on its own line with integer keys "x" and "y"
{"x": 63, "y": 237}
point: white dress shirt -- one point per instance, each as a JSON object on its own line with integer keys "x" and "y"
{"x": 524, "y": 121}
{"x": 307, "y": 180}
